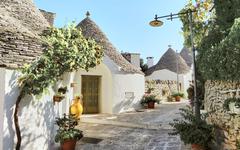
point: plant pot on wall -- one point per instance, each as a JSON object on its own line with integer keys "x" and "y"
{"x": 151, "y": 105}
{"x": 69, "y": 144}
{"x": 57, "y": 98}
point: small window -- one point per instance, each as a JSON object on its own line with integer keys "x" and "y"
{"x": 129, "y": 95}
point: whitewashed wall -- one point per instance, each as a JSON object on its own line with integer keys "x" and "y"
{"x": 36, "y": 116}
{"x": 128, "y": 90}
{"x": 114, "y": 85}
{"x": 123, "y": 85}
{"x": 166, "y": 74}
{"x": 2, "y": 93}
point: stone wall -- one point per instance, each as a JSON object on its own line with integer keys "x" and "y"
{"x": 161, "y": 88}
{"x": 17, "y": 49}
{"x": 228, "y": 131}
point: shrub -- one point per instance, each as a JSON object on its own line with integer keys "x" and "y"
{"x": 67, "y": 129}
{"x": 149, "y": 98}
{"x": 192, "y": 130}
{"x": 178, "y": 94}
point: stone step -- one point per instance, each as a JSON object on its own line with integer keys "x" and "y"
{"x": 126, "y": 124}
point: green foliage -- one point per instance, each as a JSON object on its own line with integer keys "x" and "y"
{"x": 221, "y": 61}
{"x": 178, "y": 94}
{"x": 200, "y": 20}
{"x": 66, "y": 50}
{"x": 231, "y": 100}
{"x": 149, "y": 98}
{"x": 67, "y": 129}
{"x": 143, "y": 66}
{"x": 216, "y": 38}
{"x": 62, "y": 90}
{"x": 192, "y": 130}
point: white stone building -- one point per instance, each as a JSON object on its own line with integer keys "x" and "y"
{"x": 170, "y": 67}
{"x": 120, "y": 83}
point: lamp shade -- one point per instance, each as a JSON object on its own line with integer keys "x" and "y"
{"x": 156, "y": 23}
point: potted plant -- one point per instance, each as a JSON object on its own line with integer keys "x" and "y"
{"x": 232, "y": 105}
{"x": 192, "y": 130}
{"x": 67, "y": 135}
{"x": 62, "y": 90}
{"x": 177, "y": 96}
{"x": 150, "y": 100}
{"x": 58, "y": 97}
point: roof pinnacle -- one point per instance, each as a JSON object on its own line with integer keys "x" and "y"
{"x": 87, "y": 14}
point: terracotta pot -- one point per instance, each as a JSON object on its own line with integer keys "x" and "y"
{"x": 177, "y": 98}
{"x": 151, "y": 105}
{"x": 68, "y": 145}
{"x": 197, "y": 147}
{"x": 57, "y": 98}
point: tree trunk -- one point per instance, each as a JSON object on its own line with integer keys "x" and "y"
{"x": 17, "y": 128}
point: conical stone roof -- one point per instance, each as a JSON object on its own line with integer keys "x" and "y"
{"x": 187, "y": 56}
{"x": 169, "y": 61}
{"x": 21, "y": 16}
{"x": 91, "y": 30}
{"x": 20, "y": 24}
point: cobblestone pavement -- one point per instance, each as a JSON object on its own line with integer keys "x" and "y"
{"x": 116, "y": 137}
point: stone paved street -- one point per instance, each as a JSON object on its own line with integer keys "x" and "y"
{"x": 128, "y": 131}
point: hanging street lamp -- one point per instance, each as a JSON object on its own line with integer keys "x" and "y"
{"x": 157, "y": 23}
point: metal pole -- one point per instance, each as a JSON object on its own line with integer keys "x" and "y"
{"x": 196, "y": 102}
{"x": 177, "y": 72}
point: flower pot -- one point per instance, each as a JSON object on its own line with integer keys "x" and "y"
{"x": 57, "y": 98}
{"x": 151, "y": 105}
{"x": 68, "y": 145}
{"x": 197, "y": 147}
{"x": 177, "y": 98}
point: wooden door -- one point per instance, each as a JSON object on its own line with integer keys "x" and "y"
{"x": 90, "y": 92}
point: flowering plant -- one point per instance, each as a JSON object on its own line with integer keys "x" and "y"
{"x": 149, "y": 98}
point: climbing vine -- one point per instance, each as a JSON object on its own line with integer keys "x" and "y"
{"x": 66, "y": 50}
{"x": 201, "y": 16}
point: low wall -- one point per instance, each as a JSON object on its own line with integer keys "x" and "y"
{"x": 128, "y": 90}
{"x": 228, "y": 132}
{"x": 161, "y": 88}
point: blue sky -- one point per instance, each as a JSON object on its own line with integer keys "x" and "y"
{"x": 125, "y": 22}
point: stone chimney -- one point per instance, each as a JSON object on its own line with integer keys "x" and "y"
{"x": 150, "y": 61}
{"x": 133, "y": 58}
{"x": 49, "y": 16}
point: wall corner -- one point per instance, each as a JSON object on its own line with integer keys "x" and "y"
{"x": 2, "y": 95}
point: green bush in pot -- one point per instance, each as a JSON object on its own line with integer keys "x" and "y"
{"x": 67, "y": 134}
{"x": 191, "y": 130}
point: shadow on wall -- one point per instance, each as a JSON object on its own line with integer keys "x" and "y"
{"x": 36, "y": 119}
{"x": 9, "y": 102}
{"x": 130, "y": 104}
{"x": 40, "y": 127}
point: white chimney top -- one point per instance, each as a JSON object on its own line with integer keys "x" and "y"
{"x": 150, "y": 61}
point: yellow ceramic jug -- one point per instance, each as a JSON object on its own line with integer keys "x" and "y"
{"x": 76, "y": 108}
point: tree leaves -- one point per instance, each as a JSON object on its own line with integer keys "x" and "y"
{"x": 67, "y": 50}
